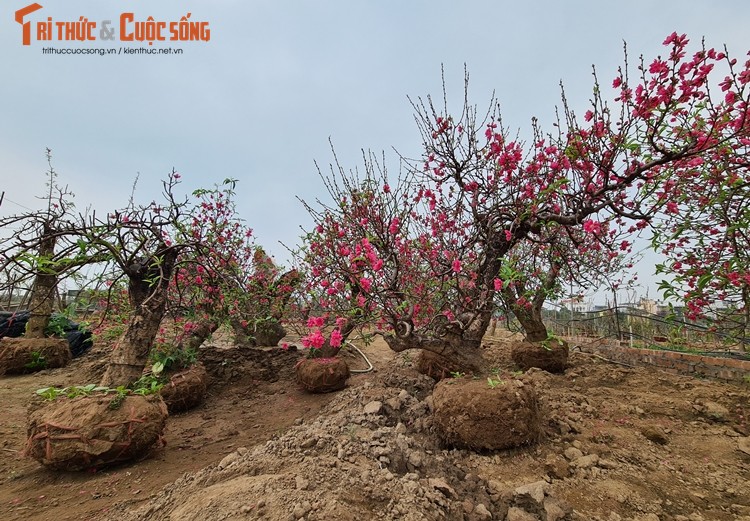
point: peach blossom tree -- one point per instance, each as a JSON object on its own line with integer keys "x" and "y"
{"x": 421, "y": 261}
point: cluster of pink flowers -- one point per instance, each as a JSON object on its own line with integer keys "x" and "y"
{"x": 382, "y": 255}
{"x": 316, "y": 339}
{"x": 593, "y": 227}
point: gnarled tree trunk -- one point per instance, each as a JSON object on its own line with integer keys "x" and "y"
{"x": 266, "y": 333}
{"x": 199, "y": 334}
{"x": 43, "y": 290}
{"x": 460, "y": 341}
{"x": 529, "y": 315}
{"x": 147, "y": 290}
{"x": 532, "y": 323}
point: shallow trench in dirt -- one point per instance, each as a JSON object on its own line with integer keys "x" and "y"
{"x": 619, "y": 444}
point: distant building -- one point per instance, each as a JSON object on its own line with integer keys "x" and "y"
{"x": 648, "y": 305}
{"x": 576, "y": 304}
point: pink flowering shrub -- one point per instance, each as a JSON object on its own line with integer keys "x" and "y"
{"x": 482, "y": 217}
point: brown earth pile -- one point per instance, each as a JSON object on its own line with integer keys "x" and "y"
{"x": 27, "y": 355}
{"x": 89, "y": 432}
{"x": 322, "y": 375}
{"x": 493, "y": 414}
{"x": 185, "y": 389}
{"x": 550, "y": 356}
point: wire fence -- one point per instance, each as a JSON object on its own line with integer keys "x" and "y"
{"x": 15, "y": 299}
{"x": 18, "y": 298}
{"x": 631, "y": 327}
{"x": 638, "y": 328}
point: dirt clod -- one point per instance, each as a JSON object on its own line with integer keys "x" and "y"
{"x": 185, "y": 389}
{"x": 478, "y": 415}
{"x": 90, "y": 432}
{"x": 322, "y": 375}
{"x": 550, "y": 356}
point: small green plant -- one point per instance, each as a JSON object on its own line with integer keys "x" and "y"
{"x": 171, "y": 358}
{"x": 457, "y": 374}
{"x": 746, "y": 378}
{"x": 121, "y": 392}
{"x": 492, "y": 383}
{"x": 84, "y": 390}
{"x": 144, "y": 386}
{"x": 551, "y": 340}
{"x": 38, "y": 362}
{"x": 60, "y": 323}
{"x": 148, "y": 384}
{"x": 351, "y": 431}
{"x": 112, "y": 332}
{"x": 676, "y": 336}
{"x": 57, "y": 324}
{"x": 50, "y": 393}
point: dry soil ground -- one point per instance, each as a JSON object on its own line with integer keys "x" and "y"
{"x": 620, "y": 443}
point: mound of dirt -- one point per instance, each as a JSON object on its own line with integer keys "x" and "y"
{"x": 27, "y": 355}
{"x": 550, "y": 356}
{"x": 185, "y": 389}
{"x": 436, "y": 366}
{"x": 94, "y": 431}
{"x": 374, "y": 453}
{"x": 322, "y": 375}
{"x": 368, "y": 456}
{"x": 227, "y": 364}
{"x": 486, "y": 415}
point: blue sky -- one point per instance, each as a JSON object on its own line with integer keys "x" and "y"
{"x": 260, "y": 100}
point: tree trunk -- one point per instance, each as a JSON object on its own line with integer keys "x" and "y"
{"x": 269, "y": 333}
{"x": 42, "y": 300}
{"x": 532, "y": 324}
{"x": 242, "y": 337}
{"x": 459, "y": 341}
{"x": 200, "y": 334}
{"x": 529, "y": 314}
{"x": 147, "y": 290}
{"x": 266, "y": 333}
{"x": 130, "y": 354}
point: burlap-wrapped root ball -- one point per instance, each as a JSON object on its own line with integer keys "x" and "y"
{"x": 185, "y": 389}
{"x": 322, "y": 375}
{"x": 477, "y": 415}
{"x": 436, "y": 366}
{"x": 551, "y": 355}
{"x": 92, "y": 431}
{"x": 28, "y": 355}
